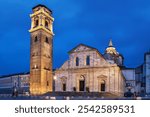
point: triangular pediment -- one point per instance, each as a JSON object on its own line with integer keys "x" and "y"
{"x": 82, "y": 48}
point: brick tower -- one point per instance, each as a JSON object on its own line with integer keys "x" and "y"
{"x": 41, "y": 45}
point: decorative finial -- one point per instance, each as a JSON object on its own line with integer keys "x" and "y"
{"x": 110, "y": 43}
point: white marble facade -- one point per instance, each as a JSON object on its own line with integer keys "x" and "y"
{"x": 88, "y": 70}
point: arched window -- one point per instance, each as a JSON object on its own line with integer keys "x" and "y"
{"x": 88, "y": 60}
{"x": 36, "y": 39}
{"x": 36, "y": 22}
{"x": 46, "y": 40}
{"x": 46, "y": 24}
{"x": 77, "y": 61}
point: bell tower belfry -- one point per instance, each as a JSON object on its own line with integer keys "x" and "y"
{"x": 41, "y": 45}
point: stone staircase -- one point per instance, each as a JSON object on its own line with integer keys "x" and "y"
{"x": 83, "y": 94}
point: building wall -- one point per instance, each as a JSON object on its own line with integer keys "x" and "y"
{"x": 6, "y": 82}
{"x": 129, "y": 75}
{"x": 147, "y": 72}
{"x": 20, "y": 81}
{"x": 93, "y": 78}
{"x": 139, "y": 73}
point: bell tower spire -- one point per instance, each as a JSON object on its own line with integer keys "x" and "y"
{"x": 41, "y": 45}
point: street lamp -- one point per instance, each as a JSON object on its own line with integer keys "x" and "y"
{"x": 54, "y": 79}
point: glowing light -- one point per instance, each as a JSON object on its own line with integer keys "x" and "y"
{"x": 55, "y": 77}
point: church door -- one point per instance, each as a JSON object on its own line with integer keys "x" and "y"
{"x": 64, "y": 87}
{"x": 81, "y": 85}
{"x": 103, "y": 87}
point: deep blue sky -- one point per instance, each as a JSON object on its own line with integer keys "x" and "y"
{"x": 91, "y": 22}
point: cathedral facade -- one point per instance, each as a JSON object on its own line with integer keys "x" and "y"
{"x": 87, "y": 70}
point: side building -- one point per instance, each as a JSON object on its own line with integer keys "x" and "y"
{"x": 147, "y": 71}
{"x": 129, "y": 74}
{"x": 138, "y": 79}
{"x": 142, "y": 74}
{"x": 19, "y": 81}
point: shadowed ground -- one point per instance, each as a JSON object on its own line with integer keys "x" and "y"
{"x": 70, "y": 96}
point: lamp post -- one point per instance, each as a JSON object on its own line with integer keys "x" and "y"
{"x": 54, "y": 78}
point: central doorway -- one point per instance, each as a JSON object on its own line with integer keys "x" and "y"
{"x": 64, "y": 86}
{"x": 81, "y": 85}
{"x": 103, "y": 86}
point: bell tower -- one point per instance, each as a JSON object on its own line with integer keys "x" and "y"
{"x": 41, "y": 45}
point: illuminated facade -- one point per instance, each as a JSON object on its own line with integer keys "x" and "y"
{"x": 87, "y": 70}
{"x": 41, "y": 50}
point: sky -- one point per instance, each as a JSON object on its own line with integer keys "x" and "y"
{"x": 91, "y": 22}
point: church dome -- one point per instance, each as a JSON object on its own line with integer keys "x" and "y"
{"x": 111, "y": 49}
{"x": 112, "y": 56}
